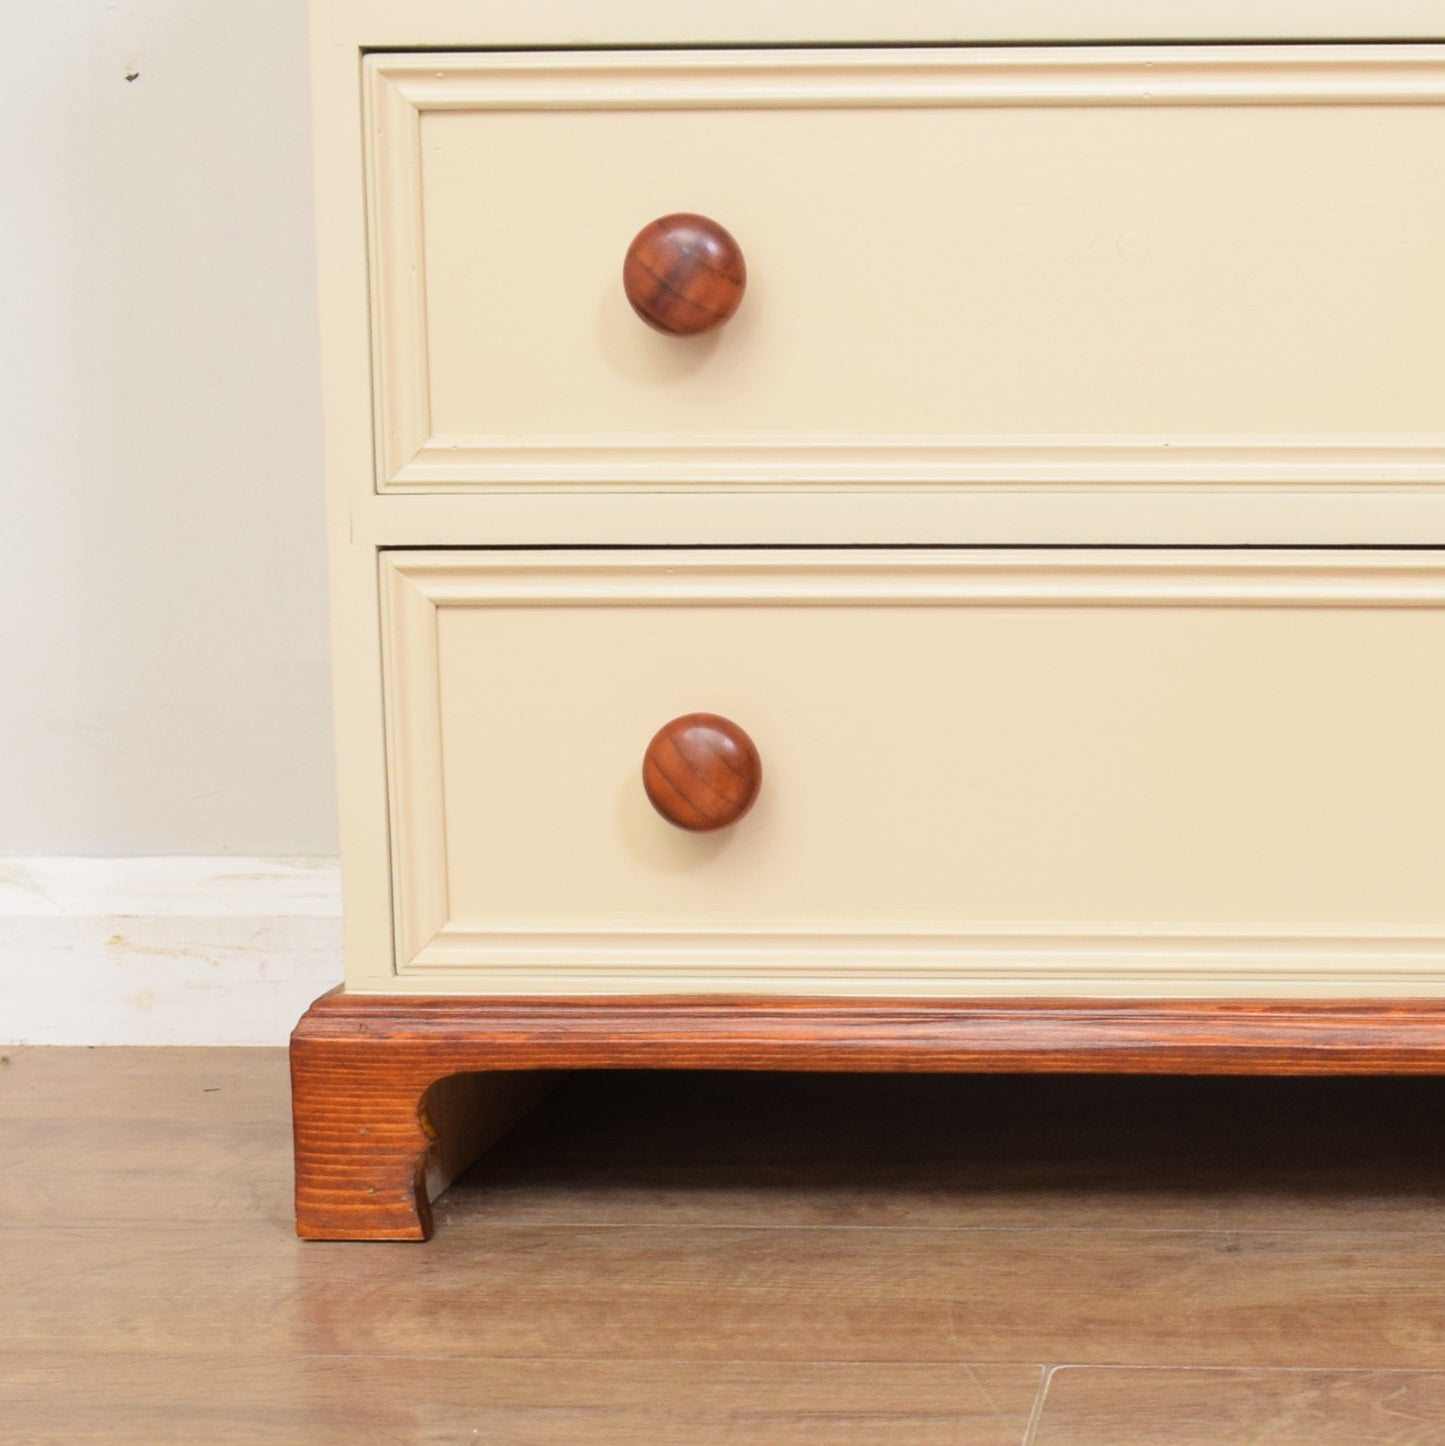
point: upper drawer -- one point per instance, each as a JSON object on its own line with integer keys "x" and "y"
{"x": 963, "y": 266}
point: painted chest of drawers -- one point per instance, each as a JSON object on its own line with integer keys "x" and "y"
{"x": 906, "y": 538}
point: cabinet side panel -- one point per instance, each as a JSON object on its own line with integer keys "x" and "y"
{"x": 346, "y": 403}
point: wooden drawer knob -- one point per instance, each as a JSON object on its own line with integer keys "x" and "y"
{"x": 684, "y": 274}
{"x": 701, "y": 772}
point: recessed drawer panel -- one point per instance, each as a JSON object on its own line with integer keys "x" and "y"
{"x": 960, "y": 266}
{"x": 1051, "y": 772}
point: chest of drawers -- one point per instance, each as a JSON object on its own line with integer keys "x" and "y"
{"x": 907, "y": 538}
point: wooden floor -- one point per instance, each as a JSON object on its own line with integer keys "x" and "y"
{"x": 722, "y": 1258}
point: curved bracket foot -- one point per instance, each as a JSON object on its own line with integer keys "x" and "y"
{"x": 381, "y": 1129}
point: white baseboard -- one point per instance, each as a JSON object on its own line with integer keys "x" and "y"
{"x": 164, "y": 950}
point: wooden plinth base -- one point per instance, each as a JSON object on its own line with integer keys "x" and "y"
{"x": 393, "y": 1096}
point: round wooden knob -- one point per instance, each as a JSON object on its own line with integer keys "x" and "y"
{"x": 701, "y": 772}
{"x": 684, "y": 274}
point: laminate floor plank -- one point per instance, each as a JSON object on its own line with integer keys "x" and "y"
{"x": 103, "y": 1176}
{"x": 708, "y": 1293}
{"x": 123, "y": 1084}
{"x": 706, "y": 1257}
{"x": 109, "y": 1138}
{"x": 1100, "y": 1407}
{"x": 279, "y": 1400}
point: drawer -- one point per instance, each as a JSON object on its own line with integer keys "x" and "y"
{"x": 983, "y": 772}
{"x": 963, "y": 267}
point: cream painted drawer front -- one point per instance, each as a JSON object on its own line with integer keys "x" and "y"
{"x": 984, "y": 772}
{"x": 964, "y": 266}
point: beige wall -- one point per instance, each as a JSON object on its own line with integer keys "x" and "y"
{"x": 163, "y": 647}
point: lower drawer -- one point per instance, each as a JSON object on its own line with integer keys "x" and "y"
{"x": 1053, "y": 772}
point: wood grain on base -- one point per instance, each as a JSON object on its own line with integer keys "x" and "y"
{"x": 361, "y": 1064}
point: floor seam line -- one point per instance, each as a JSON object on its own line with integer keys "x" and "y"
{"x": 1031, "y": 1431}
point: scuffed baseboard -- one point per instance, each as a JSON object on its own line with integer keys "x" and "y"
{"x": 164, "y": 950}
